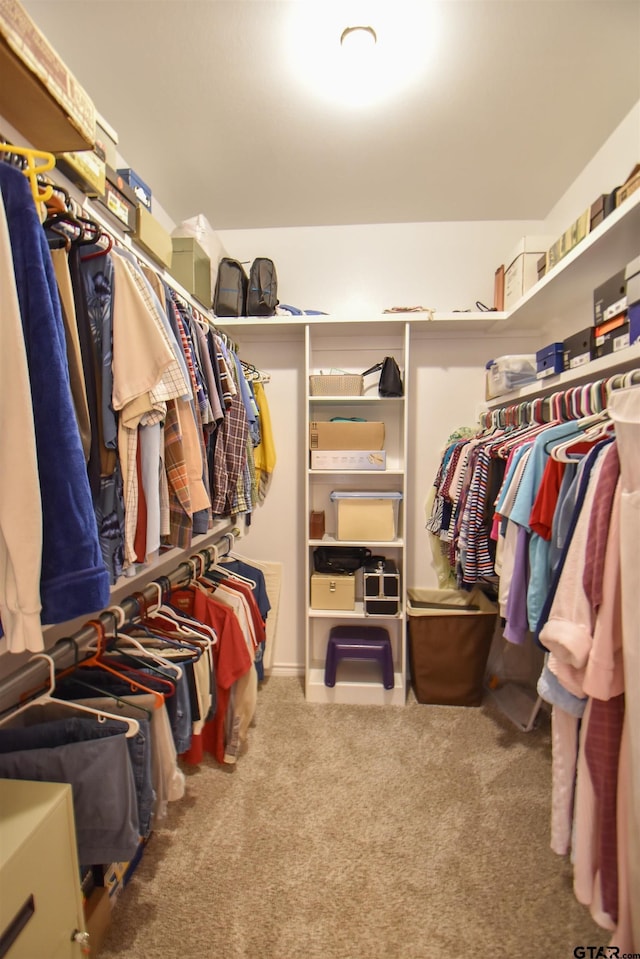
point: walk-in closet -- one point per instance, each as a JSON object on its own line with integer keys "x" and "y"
{"x": 319, "y": 413}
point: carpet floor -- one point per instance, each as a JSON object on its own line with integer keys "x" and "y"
{"x": 359, "y": 833}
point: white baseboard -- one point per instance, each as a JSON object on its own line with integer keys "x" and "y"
{"x": 285, "y": 669}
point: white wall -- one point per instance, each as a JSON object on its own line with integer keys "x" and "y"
{"x": 608, "y": 169}
{"x": 360, "y": 269}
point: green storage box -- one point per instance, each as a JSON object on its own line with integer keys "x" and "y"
{"x": 450, "y": 635}
{"x": 191, "y": 267}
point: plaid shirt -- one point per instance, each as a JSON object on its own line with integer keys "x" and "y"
{"x": 229, "y": 458}
{"x": 180, "y": 512}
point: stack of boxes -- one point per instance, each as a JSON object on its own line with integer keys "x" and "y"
{"x": 616, "y": 325}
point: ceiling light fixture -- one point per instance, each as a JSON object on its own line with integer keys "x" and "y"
{"x": 361, "y": 34}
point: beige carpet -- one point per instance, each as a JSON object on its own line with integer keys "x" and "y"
{"x": 359, "y": 833}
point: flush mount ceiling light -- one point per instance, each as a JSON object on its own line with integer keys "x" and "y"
{"x": 363, "y": 35}
{"x": 371, "y": 66}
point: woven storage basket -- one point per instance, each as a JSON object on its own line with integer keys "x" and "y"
{"x": 337, "y": 384}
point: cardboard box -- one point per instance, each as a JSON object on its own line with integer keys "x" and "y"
{"x": 613, "y": 340}
{"x": 97, "y": 917}
{"x": 610, "y": 298}
{"x": 364, "y": 516}
{"x": 86, "y": 169}
{"x": 348, "y": 460}
{"x": 632, "y": 281}
{"x": 631, "y": 184}
{"x": 119, "y": 200}
{"x": 345, "y": 435}
{"x": 521, "y": 272}
{"x": 106, "y": 141}
{"x": 549, "y": 360}
{"x": 191, "y": 267}
{"x": 139, "y": 187}
{"x": 634, "y": 323}
{"x": 39, "y": 96}
{"x": 498, "y": 289}
{"x": 609, "y": 325}
{"x": 152, "y": 237}
{"x": 579, "y": 348}
{"x": 329, "y": 591}
{"x": 569, "y": 239}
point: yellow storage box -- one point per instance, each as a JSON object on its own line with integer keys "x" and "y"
{"x": 366, "y": 515}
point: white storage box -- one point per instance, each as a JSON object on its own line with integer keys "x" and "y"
{"x": 364, "y": 516}
{"x": 522, "y": 269}
{"x": 508, "y": 373}
{"x": 348, "y": 460}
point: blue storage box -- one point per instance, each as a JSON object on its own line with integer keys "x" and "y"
{"x": 139, "y": 187}
{"x": 634, "y": 323}
{"x": 549, "y": 360}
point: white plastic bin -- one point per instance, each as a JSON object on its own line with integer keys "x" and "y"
{"x": 508, "y": 373}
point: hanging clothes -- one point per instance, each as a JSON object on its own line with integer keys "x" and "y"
{"x": 73, "y": 578}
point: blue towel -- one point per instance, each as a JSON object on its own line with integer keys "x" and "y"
{"x": 74, "y": 580}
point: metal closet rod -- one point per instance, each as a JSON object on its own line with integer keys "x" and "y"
{"x": 65, "y": 650}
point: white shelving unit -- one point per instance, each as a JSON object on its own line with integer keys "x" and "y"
{"x": 329, "y": 346}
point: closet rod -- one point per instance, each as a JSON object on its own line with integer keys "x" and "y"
{"x": 574, "y": 402}
{"x": 63, "y": 652}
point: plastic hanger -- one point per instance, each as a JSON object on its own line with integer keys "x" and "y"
{"x": 97, "y": 661}
{"x": 171, "y": 618}
{"x": 31, "y": 170}
{"x": 118, "y": 614}
{"x": 133, "y": 727}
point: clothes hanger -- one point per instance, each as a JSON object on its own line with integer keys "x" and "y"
{"x": 31, "y": 169}
{"x": 105, "y": 693}
{"x": 101, "y": 251}
{"x": 170, "y": 618}
{"x": 133, "y": 727}
{"x": 133, "y": 666}
{"x": 96, "y": 661}
{"x": 119, "y": 619}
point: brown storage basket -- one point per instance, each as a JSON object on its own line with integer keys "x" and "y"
{"x": 450, "y": 635}
{"x": 336, "y": 384}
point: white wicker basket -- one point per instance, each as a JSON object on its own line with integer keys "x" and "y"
{"x": 336, "y": 384}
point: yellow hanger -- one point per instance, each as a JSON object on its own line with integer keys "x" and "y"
{"x": 40, "y": 195}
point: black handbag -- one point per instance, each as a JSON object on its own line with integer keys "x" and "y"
{"x": 390, "y": 383}
{"x": 339, "y": 559}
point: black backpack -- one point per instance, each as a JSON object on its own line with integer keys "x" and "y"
{"x": 262, "y": 297}
{"x": 230, "y": 298}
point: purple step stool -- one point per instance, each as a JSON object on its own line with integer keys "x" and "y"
{"x": 359, "y": 642}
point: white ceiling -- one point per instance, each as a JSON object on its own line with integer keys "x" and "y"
{"x": 512, "y": 100}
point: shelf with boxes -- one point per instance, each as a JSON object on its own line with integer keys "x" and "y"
{"x": 565, "y": 292}
{"x": 355, "y": 498}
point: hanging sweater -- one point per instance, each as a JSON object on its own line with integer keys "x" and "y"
{"x": 74, "y": 580}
